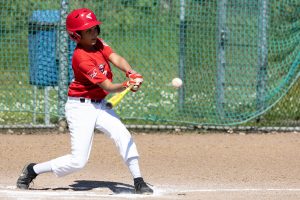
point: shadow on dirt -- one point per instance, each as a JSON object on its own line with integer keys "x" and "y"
{"x": 86, "y": 185}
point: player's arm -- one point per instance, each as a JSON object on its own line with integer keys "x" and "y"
{"x": 135, "y": 78}
{"x": 118, "y": 87}
{"x": 113, "y": 87}
{"x": 119, "y": 62}
{"x": 91, "y": 72}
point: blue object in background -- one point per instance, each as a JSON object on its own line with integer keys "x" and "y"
{"x": 43, "y": 48}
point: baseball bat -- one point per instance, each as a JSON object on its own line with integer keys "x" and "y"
{"x": 115, "y": 100}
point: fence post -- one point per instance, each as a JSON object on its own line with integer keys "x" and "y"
{"x": 63, "y": 60}
{"x": 221, "y": 56}
{"x": 262, "y": 55}
{"x": 182, "y": 44}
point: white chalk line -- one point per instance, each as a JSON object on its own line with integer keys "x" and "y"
{"x": 247, "y": 190}
{"x": 159, "y": 191}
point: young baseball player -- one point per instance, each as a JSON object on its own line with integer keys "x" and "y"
{"x": 85, "y": 107}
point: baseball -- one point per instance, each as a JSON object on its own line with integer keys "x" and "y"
{"x": 177, "y": 82}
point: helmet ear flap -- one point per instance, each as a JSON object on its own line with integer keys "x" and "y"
{"x": 74, "y": 36}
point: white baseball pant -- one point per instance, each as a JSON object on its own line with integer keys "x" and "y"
{"x": 82, "y": 120}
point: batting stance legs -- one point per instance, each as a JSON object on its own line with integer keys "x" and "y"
{"x": 82, "y": 119}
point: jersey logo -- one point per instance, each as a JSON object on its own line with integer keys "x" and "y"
{"x": 93, "y": 73}
{"x": 89, "y": 16}
{"x": 102, "y": 69}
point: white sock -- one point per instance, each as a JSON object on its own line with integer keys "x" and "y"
{"x": 134, "y": 168}
{"x": 41, "y": 168}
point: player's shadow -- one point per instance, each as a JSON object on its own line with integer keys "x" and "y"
{"x": 85, "y": 185}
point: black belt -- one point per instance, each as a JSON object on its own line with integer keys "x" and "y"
{"x": 82, "y": 100}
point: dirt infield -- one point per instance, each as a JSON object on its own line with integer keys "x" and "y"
{"x": 178, "y": 166}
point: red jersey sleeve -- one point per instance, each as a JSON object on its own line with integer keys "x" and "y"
{"x": 90, "y": 71}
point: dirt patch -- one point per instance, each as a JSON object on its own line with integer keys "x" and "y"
{"x": 188, "y": 160}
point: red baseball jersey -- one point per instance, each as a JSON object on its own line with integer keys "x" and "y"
{"x": 90, "y": 68}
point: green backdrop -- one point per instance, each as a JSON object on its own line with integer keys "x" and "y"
{"x": 238, "y": 59}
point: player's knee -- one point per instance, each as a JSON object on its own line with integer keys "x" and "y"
{"x": 78, "y": 163}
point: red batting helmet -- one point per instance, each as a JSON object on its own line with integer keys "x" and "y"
{"x": 80, "y": 19}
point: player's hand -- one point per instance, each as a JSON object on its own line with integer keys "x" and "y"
{"x": 136, "y": 79}
{"x": 135, "y": 82}
{"x": 133, "y": 74}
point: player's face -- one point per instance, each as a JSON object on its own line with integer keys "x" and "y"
{"x": 89, "y": 36}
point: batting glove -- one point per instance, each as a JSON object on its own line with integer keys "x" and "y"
{"x": 135, "y": 82}
{"x": 133, "y": 74}
{"x": 135, "y": 78}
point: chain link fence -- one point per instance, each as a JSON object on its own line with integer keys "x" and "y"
{"x": 238, "y": 59}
